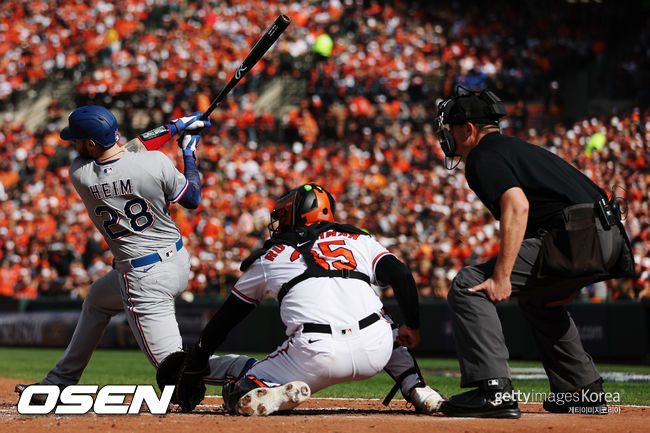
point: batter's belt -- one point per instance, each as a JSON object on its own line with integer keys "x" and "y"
{"x": 149, "y": 259}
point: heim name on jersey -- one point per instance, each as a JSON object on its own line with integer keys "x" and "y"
{"x": 111, "y": 189}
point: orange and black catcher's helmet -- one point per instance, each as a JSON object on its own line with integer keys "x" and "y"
{"x": 301, "y": 207}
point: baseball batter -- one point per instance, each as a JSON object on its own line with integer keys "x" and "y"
{"x": 321, "y": 273}
{"x": 127, "y": 196}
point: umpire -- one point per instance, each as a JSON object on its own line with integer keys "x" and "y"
{"x": 558, "y": 233}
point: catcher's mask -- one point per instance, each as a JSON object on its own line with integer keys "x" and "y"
{"x": 302, "y": 207}
{"x": 483, "y": 108}
{"x": 92, "y": 122}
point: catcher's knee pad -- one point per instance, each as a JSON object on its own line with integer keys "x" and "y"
{"x": 236, "y": 389}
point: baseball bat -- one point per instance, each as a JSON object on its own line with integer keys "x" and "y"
{"x": 256, "y": 53}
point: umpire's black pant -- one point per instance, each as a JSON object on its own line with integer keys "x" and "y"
{"x": 480, "y": 344}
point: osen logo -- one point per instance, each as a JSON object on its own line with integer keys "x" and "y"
{"x": 109, "y": 400}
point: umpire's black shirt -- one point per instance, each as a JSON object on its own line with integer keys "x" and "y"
{"x": 500, "y": 162}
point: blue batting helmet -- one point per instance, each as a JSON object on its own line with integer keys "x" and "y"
{"x": 92, "y": 122}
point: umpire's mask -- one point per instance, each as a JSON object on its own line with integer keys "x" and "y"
{"x": 481, "y": 108}
{"x": 443, "y": 128}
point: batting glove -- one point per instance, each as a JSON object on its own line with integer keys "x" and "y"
{"x": 186, "y": 122}
{"x": 198, "y": 125}
{"x": 188, "y": 144}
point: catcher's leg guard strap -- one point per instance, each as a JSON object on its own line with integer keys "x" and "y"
{"x": 401, "y": 366}
{"x": 398, "y": 383}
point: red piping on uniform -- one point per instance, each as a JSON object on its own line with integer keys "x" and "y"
{"x": 182, "y": 193}
{"x": 137, "y": 319}
{"x": 279, "y": 351}
{"x": 244, "y": 297}
{"x": 378, "y": 257}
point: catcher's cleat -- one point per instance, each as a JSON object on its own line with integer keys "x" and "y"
{"x": 426, "y": 400}
{"x": 251, "y": 397}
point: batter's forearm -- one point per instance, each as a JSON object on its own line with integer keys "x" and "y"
{"x": 151, "y": 140}
{"x": 191, "y": 199}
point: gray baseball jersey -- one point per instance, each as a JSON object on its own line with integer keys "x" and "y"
{"x": 128, "y": 201}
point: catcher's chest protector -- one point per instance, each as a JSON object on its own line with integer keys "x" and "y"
{"x": 303, "y": 243}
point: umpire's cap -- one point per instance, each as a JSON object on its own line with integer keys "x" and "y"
{"x": 477, "y": 107}
{"x": 92, "y": 122}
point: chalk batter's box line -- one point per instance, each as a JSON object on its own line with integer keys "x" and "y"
{"x": 397, "y": 399}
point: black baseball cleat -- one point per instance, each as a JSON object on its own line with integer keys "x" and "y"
{"x": 588, "y": 400}
{"x": 494, "y": 398}
{"x": 37, "y": 399}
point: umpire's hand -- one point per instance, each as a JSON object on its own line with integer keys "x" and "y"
{"x": 496, "y": 291}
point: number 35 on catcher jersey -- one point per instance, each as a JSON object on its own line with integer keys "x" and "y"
{"x": 317, "y": 300}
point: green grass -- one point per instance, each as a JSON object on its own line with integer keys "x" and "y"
{"x": 131, "y": 367}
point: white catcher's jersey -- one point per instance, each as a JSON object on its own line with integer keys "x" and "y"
{"x": 317, "y": 300}
{"x": 125, "y": 203}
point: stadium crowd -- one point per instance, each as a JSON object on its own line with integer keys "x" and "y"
{"x": 363, "y": 128}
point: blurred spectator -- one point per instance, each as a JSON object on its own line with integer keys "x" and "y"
{"x": 361, "y": 125}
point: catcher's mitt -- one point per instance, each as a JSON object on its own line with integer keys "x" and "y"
{"x": 184, "y": 370}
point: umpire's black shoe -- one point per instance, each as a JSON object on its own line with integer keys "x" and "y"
{"x": 588, "y": 400}
{"x": 494, "y": 398}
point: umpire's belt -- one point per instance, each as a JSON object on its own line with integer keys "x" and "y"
{"x": 322, "y": 328}
{"x": 158, "y": 256}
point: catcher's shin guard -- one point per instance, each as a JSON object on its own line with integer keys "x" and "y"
{"x": 250, "y": 396}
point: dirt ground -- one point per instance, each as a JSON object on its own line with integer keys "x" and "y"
{"x": 317, "y": 415}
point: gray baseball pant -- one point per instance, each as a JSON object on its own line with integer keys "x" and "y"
{"x": 480, "y": 343}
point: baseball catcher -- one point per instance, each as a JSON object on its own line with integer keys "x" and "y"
{"x": 320, "y": 271}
